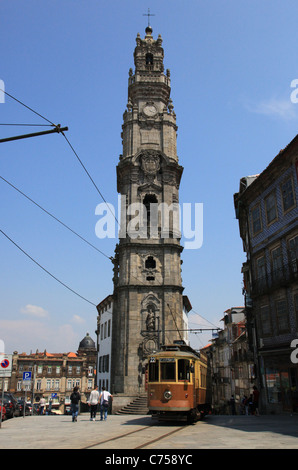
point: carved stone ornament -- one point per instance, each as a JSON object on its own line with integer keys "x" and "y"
{"x": 150, "y": 163}
{"x": 149, "y": 345}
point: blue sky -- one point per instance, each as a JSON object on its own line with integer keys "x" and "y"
{"x": 232, "y": 64}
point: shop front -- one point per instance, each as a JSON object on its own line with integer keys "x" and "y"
{"x": 280, "y": 383}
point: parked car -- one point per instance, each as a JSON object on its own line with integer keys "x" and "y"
{"x": 11, "y": 405}
{"x": 28, "y": 407}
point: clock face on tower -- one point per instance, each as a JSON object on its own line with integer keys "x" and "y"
{"x": 150, "y": 110}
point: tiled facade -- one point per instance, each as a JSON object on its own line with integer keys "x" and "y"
{"x": 267, "y": 209}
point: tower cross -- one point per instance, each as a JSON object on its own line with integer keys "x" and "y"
{"x": 148, "y": 14}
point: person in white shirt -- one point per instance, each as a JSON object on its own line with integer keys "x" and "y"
{"x": 104, "y": 398}
{"x": 93, "y": 402}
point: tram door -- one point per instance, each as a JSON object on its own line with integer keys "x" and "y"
{"x": 146, "y": 377}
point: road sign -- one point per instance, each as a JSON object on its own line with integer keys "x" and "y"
{"x": 54, "y": 395}
{"x": 5, "y": 365}
{"x": 27, "y": 376}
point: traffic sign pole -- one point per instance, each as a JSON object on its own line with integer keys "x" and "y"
{"x": 2, "y": 401}
{"x": 5, "y": 371}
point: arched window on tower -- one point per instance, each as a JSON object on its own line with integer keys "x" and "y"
{"x": 149, "y": 59}
{"x": 151, "y": 223}
{"x": 150, "y": 263}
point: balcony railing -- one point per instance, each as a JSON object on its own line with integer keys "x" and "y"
{"x": 281, "y": 277}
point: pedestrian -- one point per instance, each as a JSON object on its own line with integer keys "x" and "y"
{"x": 42, "y": 404}
{"x": 256, "y": 395}
{"x": 242, "y": 407}
{"x": 250, "y": 404}
{"x": 246, "y": 404}
{"x": 232, "y": 405}
{"x": 104, "y": 403}
{"x": 75, "y": 398}
{"x": 93, "y": 403}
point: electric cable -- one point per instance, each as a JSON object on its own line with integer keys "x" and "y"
{"x": 216, "y": 327}
{"x": 28, "y": 107}
{"x": 48, "y": 272}
{"x": 89, "y": 176}
{"x": 83, "y": 166}
{"x": 55, "y": 218}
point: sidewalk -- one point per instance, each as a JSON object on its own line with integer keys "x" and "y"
{"x": 214, "y": 432}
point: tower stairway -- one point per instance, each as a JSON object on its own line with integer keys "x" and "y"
{"x": 136, "y": 407}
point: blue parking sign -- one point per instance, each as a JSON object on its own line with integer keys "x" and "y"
{"x": 26, "y": 376}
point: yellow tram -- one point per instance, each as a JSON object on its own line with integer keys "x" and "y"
{"x": 177, "y": 383}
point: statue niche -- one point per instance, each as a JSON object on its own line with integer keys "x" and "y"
{"x": 150, "y": 319}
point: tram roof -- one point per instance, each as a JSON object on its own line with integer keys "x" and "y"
{"x": 178, "y": 349}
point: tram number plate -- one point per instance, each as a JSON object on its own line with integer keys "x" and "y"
{"x": 152, "y": 359}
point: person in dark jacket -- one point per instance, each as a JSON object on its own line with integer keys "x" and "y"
{"x": 75, "y": 398}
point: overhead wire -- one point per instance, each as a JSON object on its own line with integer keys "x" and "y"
{"x": 30, "y": 125}
{"x": 28, "y": 107}
{"x": 55, "y": 218}
{"x": 193, "y": 311}
{"x": 44, "y": 269}
{"x": 72, "y": 148}
{"x": 89, "y": 176}
{"x": 52, "y": 124}
{"x": 62, "y": 223}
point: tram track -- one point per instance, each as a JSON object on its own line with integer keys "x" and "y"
{"x": 124, "y": 440}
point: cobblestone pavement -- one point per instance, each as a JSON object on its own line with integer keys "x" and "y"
{"x": 215, "y": 432}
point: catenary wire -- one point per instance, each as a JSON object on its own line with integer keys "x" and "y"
{"x": 48, "y": 272}
{"x": 28, "y": 107}
{"x": 55, "y": 218}
{"x": 91, "y": 179}
{"x": 89, "y": 176}
{"x": 193, "y": 311}
{"x": 83, "y": 166}
{"x": 29, "y": 125}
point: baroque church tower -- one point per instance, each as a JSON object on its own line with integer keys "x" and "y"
{"x": 148, "y": 301}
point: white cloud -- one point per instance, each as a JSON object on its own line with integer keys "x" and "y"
{"x": 276, "y": 107}
{"x": 34, "y": 311}
{"x": 28, "y": 334}
{"x": 78, "y": 320}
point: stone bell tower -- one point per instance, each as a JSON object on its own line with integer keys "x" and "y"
{"x": 147, "y": 267}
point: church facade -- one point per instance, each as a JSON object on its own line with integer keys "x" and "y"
{"x": 148, "y": 291}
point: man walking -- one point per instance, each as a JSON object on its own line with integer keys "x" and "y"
{"x": 104, "y": 403}
{"x": 93, "y": 402}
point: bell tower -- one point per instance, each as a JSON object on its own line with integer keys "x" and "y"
{"x": 148, "y": 308}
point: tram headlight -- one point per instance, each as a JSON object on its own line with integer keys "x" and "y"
{"x": 167, "y": 394}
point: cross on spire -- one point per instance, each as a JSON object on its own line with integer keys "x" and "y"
{"x": 148, "y": 14}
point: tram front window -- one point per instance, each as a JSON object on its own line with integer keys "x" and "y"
{"x": 183, "y": 369}
{"x": 167, "y": 371}
{"x": 153, "y": 371}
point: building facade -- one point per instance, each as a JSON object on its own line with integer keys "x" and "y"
{"x": 232, "y": 367}
{"x": 266, "y": 207}
{"x": 54, "y": 375}
{"x": 147, "y": 297}
{"x": 104, "y": 342}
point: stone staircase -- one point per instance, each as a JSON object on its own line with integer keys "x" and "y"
{"x": 136, "y": 407}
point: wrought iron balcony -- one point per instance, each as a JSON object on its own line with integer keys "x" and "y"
{"x": 281, "y": 277}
